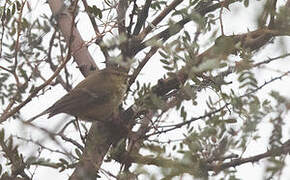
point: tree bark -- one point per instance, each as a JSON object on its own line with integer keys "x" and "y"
{"x": 99, "y": 138}
{"x": 78, "y": 46}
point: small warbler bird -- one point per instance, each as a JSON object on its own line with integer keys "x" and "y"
{"x": 96, "y": 98}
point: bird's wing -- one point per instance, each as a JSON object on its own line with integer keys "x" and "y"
{"x": 79, "y": 100}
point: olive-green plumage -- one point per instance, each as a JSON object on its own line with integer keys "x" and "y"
{"x": 95, "y": 98}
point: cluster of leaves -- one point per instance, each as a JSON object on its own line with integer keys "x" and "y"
{"x": 213, "y": 141}
{"x": 23, "y": 41}
{"x": 204, "y": 144}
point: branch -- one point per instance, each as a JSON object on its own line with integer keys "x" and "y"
{"x": 188, "y": 122}
{"x": 175, "y": 126}
{"x": 271, "y": 59}
{"x": 95, "y": 26}
{"x": 266, "y": 83}
{"x": 152, "y": 51}
{"x": 78, "y": 47}
{"x": 99, "y": 140}
{"x": 158, "y": 19}
{"x": 10, "y": 113}
{"x": 142, "y": 16}
{"x": 3, "y": 23}
{"x": 131, "y": 16}
{"x": 163, "y": 87}
{"x": 17, "y": 45}
{"x": 164, "y": 35}
{"x": 99, "y": 35}
{"x": 174, "y": 29}
{"x": 200, "y": 165}
{"x": 53, "y": 67}
{"x": 121, "y": 10}
{"x": 284, "y": 149}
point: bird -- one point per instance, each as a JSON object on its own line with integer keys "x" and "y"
{"x": 96, "y": 98}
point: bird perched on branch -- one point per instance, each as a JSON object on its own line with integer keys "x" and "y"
{"x": 96, "y": 98}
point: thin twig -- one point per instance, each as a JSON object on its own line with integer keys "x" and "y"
{"x": 266, "y": 83}
{"x": 92, "y": 19}
{"x": 271, "y": 59}
{"x": 175, "y": 126}
{"x": 10, "y": 113}
{"x": 3, "y": 18}
{"x": 99, "y": 35}
{"x": 152, "y": 51}
{"x": 167, "y": 33}
{"x": 221, "y": 20}
{"x": 17, "y": 46}
{"x": 158, "y": 19}
{"x": 178, "y": 125}
{"x": 41, "y": 146}
{"x": 284, "y": 149}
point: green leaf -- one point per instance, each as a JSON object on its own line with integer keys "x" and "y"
{"x": 97, "y": 12}
{"x": 183, "y": 113}
{"x": 163, "y": 55}
{"x": 246, "y": 3}
{"x": 164, "y": 61}
{"x": 63, "y": 161}
{"x": 13, "y": 9}
{"x": 78, "y": 152}
{"x": 231, "y": 120}
{"x": 18, "y": 5}
{"x": 168, "y": 68}
{"x": 210, "y": 64}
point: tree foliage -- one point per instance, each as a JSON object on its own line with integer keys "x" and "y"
{"x": 211, "y": 100}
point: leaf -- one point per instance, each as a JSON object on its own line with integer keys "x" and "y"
{"x": 246, "y": 3}
{"x": 13, "y": 9}
{"x": 231, "y": 120}
{"x": 183, "y": 113}
{"x": 78, "y": 152}
{"x": 163, "y": 54}
{"x": 18, "y": 5}
{"x": 97, "y": 12}
{"x": 210, "y": 64}
{"x": 168, "y": 68}
{"x": 63, "y": 161}
{"x": 187, "y": 36}
{"x": 31, "y": 160}
{"x": 188, "y": 91}
{"x": 164, "y": 61}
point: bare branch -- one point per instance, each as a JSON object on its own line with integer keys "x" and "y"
{"x": 98, "y": 142}
{"x": 271, "y": 59}
{"x": 142, "y": 16}
{"x": 152, "y": 51}
{"x": 79, "y": 49}
{"x": 121, "y": 10}
{"x": 53, "y": 67}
